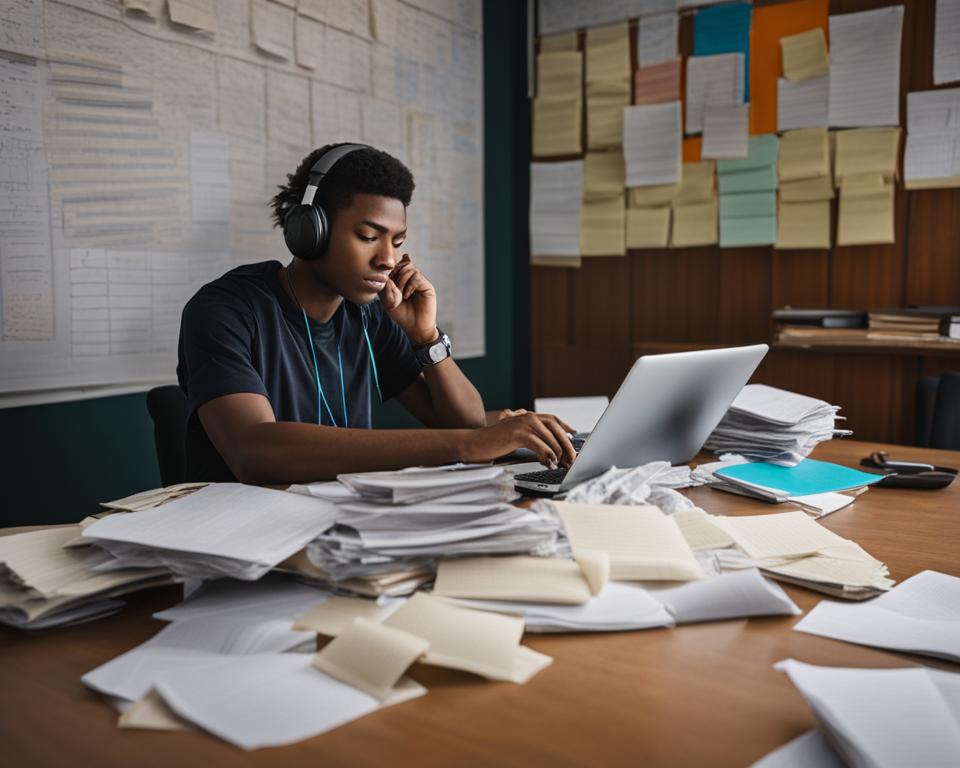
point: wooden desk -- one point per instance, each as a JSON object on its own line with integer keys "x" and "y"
{"x": 694, "y": 695}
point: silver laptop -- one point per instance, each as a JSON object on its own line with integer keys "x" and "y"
{"x": 665, "y": 409}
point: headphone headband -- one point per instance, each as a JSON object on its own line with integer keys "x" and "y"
{"x": 322, "y": 167}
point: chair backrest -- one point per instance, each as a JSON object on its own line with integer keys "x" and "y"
{"x": 926, "y": 403}
{"x": 945, "y": 430}
{"x": 168, "y": 409}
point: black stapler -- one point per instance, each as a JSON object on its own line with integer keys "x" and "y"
{"x": 908, "y": 474}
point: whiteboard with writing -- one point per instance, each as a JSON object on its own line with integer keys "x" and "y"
{"x": 141, "y": 142}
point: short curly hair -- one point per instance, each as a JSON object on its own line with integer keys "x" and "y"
{"x": 366, "y": 171}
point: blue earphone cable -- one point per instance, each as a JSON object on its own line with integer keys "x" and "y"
{"x": 343, "y": 391}
{"x": 321, "y": 398}
{"x": 373, "y": 360}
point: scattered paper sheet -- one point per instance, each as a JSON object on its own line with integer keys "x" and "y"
{"x": 805, "y": 55}
{"x": 150, "y": 712}
{"x": 812, "y": 748}
{"x": 700, "y": 531}
{"x": 729, "y": 596}
{"x": 269, "y": 700}
{"x": 619, "y": 607}
{"x": 335, "y": 615}
{"x": 527, "y": 579}
{"x": 642, "y": 542}
{"x": 786, "y": 534}
{"x": 865, "y": 68}
{"x": 474, "y": 641}
{"x": 883, "y": 717}
{"x": 370, "y": 656}
{"x": 920, "y": 615}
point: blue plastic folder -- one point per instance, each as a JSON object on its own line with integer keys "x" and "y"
{"x": 807, "y": 477}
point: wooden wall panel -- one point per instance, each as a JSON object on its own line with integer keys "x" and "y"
{"x": 589, "y": 324}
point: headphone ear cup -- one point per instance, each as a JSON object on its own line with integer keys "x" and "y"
{"x": 301, "y": 231}
{"x": 323, "y": 230}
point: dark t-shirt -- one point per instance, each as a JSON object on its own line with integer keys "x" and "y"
{"x": 243, "y": 333}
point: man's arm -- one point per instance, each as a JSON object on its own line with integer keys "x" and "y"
{"x": 442, "y": 396}
{"x": 259, "y": 449}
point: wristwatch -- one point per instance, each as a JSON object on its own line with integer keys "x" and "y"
{"x": 433, "y": 352}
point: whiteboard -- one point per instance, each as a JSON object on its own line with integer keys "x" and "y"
{"x": 141, "y": 142}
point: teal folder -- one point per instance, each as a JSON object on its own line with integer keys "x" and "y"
{"x": 809, "y": 476}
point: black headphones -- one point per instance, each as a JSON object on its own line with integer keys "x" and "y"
{"x": 306, "y": 227}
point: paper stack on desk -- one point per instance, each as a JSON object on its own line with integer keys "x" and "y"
{"x": 794, "y": 548}
{"x": 769, "y": 424}
{"x": 225, "y": 529}
{"x": 44, "y": 584}
{"x": 874, "y": 717}
{"x": 396, "y": 524}
{"x": 921, "y": 615}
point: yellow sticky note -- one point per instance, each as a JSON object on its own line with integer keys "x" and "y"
{"x": 603, "y": 174}
{"x": 605, "y": 103}
{"x": 865, "y": 217}
{"x": 803, "y": 225}
{"x": 648, "y": 227}
{"x": 803, "y": 154}
{"x": 602, "y": 226}
{"x": 694, "y": 224}
{"x": 805, "y": 55}
{"x": 559, "y": 73}
{"x": 556, "y": 125}
{"x": 867, "y": 150}
{"x": 608, "y": 53}
{"x": 698, "y": 183}
{"x": 807, "y": 190}
{"x": 652, "y": 197}
{"x": 564, "y": 41}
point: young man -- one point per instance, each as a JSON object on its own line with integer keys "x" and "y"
{"x": 280, "y": 363}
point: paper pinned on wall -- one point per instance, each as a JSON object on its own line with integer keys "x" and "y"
{"x": 715, "y": 80}
{"x": 865, "y": 217}
{"x": 865, "y": 68}
{"x": 694, "y": 224}
{"x": 804, "y": 154}
{"x": 556, "y": 190}
{"x": 605, "y": 103}
{"x": 946, "y": 42}
{"x": 608, "y": 53}
{"x": 805, "y": 55}
{"x": 725, "y": 29}
{"x": 271, "y": 25}
{"x": 658, "y": 83}
{"x": 559, "y": 73}
{"x": 725, "y": 131}
{"x": 802, "y": 104}
{"x": 932, "y": 157}
{"x": 651, "y": 144}
{"x": 866, "y": 151}
{"x": 657, "y": 39}
{"x": 648, "y": 227}
{"x": 562, "y": 41}
{"x": 196, "y": 14}
{"x": 602, "y": 226}
{"x": 803, "y": 225}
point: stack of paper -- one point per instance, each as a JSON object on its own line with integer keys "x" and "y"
{"x": 557, "y": 106}
{"x": 771, "y": 424}
{"x": 920, "y": 615}
{"x": 875, "y": 717}
{"x": 865, "y": 172}
{"x": 556, "y": 190}
{"x": 225, "y": 529}
{"x": 865, "y": 68}
{"x": 404, "y": 520}
{"x": 695, "y": 206}
{"x": 608, "y": 84}
{"x": 793, "y": 547}
{"x": 932, "y": 158}
{"x": 804, "y": 171}
{"x": 602, "y": 215}
{"x": 714, "y": 80}
{"x": 153, "y": 498}
{"x": 44, "y": 584}
{"x": 748, "y": 195}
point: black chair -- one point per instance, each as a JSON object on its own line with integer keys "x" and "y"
{"x": 938, "y": 411}
{"x": 168, "y": 409}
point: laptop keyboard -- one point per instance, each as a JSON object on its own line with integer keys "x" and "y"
{"x": 546, "y": 476}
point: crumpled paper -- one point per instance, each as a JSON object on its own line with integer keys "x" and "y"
{"x": 652, "y": 483}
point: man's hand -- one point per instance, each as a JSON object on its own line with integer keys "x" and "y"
{"x": 409, "y": 298}
{"x": 543, "y": 434}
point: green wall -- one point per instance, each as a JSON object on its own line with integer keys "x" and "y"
{"x": 60, "y": 460}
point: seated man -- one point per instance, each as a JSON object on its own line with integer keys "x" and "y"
{"x": 280, "y": 363}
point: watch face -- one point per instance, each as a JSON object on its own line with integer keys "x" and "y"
{"x": 438, "y": 352}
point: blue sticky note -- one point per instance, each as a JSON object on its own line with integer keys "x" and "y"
{"x": 761, "y": 152}
{"x": 748, "y": 205}
{"x": 759, "y": 180}
{"x": 809, "y": 476}
{"x": 724, "y": 29}
{"x": 748, "y": 230}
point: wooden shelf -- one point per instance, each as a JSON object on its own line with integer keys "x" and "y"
{"x": 864, "y": 346}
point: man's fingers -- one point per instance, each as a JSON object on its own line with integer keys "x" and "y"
{"x": 390, "y": 295}
{"x": 544, "y": 433}
{"x": 566, "y": 446}
{"x": 558, "y": 420}
{"x": 543, "y": 452}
